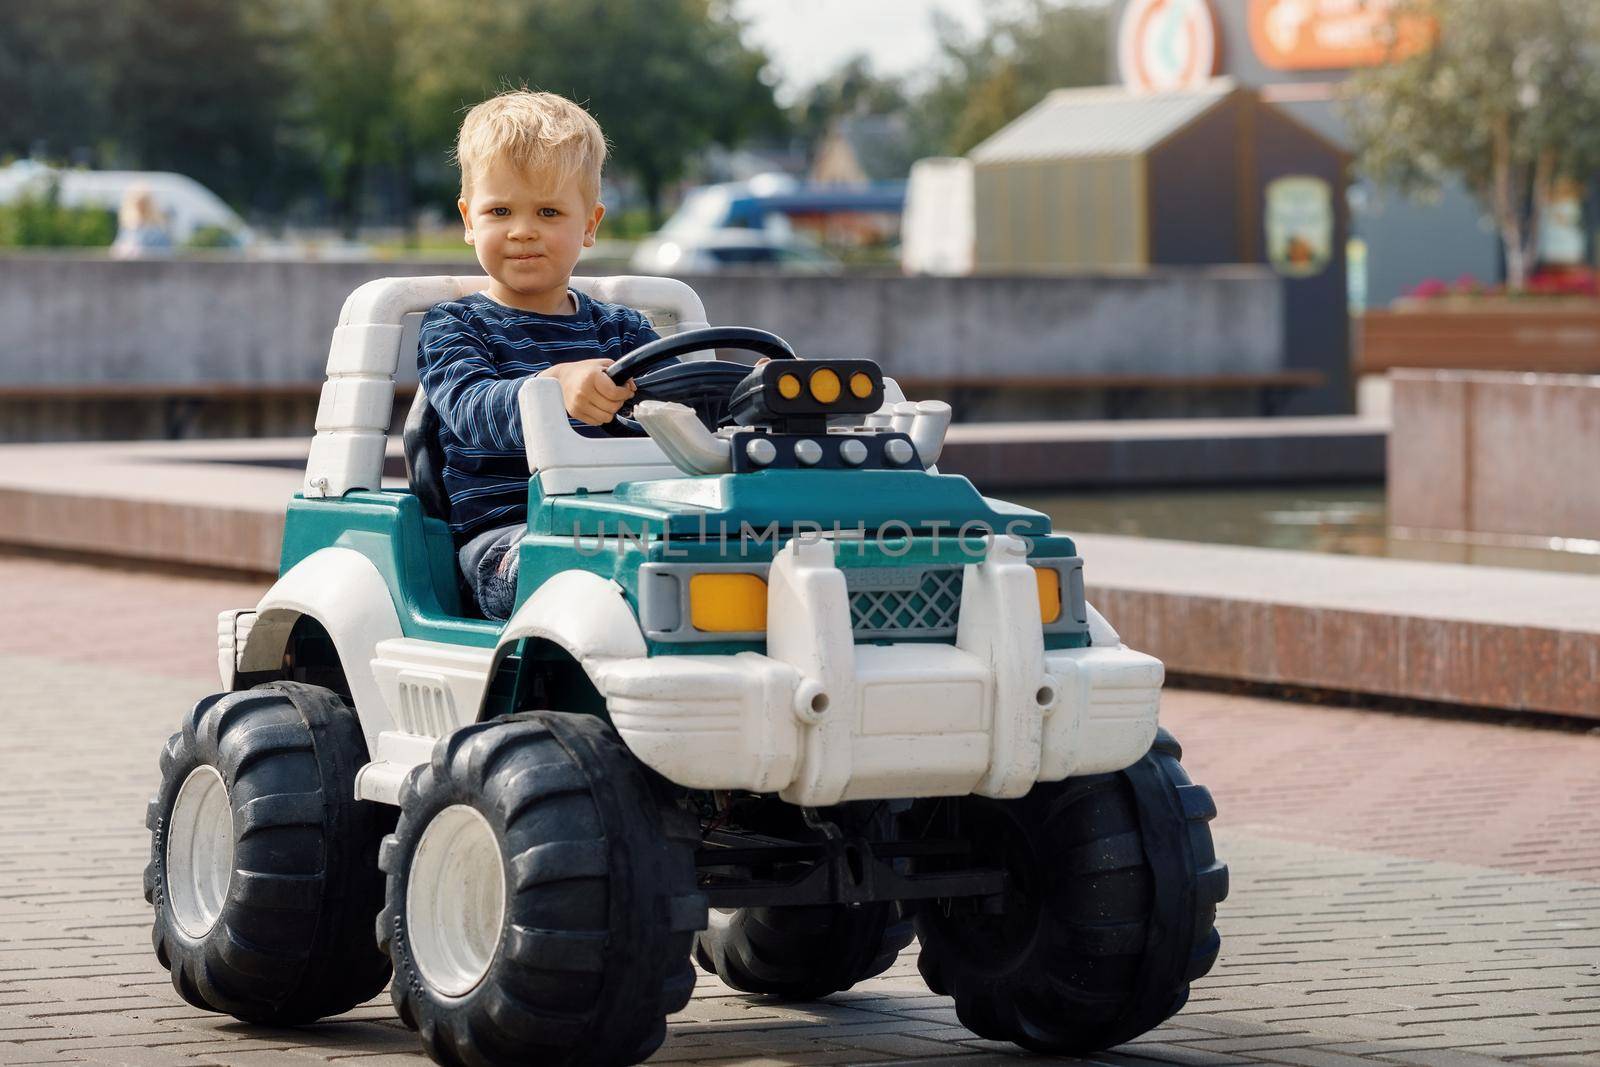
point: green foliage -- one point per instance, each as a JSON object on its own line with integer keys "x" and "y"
{"x": 852, "y": 90}
{"x": 1507, "y": 100}
{"x": 212, "y": 237}
{"x": 38, "y": 220}
{"x": 280, "y": 104}
{"x": 991, "y": 79}
{"x": 349, "y": 75}
{"x": 664, "y": 78}
{"x": 200, "y": 87}
{"x": 51, "y": 82}
{"x": 981, "y": 83}
{"x": 264, "y": 100}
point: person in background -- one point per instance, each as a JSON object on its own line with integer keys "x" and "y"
{"x": 141, "y": 227}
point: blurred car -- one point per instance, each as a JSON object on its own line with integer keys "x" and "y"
{"x": 753, "y": 223}
{"x": 709, "y": 251}
{"x": 189, "y": 207}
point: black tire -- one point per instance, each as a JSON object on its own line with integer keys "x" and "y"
{"x": 1110, "y": 916}
{"x": 806, "y": 953}
{"x": 293, "y": 940}
{"x": 600, "y": 901}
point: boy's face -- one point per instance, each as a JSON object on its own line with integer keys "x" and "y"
{"x": 528, "y": 229}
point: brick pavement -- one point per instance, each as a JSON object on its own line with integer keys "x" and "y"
{"x": 1405, "y": 890}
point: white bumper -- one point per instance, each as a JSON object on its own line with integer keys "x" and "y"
{"x": 819, "y": 719}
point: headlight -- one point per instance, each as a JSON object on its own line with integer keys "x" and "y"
{"x": 1049, "y": 581}
{"x": 793, "y": 396}
{"x": 727, "y": 603}
{"x": 703, "y": 601}
{"x": 1060, "y": 584}
{"x": 824, "y": 385}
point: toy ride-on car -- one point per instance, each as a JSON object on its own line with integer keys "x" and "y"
{"x": 776, "y": 696}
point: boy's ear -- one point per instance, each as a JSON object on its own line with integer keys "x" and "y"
{"x": 466, "y": 220}
{"x": 594, "y": 224}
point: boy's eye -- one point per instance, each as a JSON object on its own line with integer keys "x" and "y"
{"x": 548, "y": 212}
{"x": 500, "y": 212}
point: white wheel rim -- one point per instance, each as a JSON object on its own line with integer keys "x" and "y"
{"x": 200, "y": 851}
{"x": 455, "y": 900}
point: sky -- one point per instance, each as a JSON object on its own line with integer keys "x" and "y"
{"x": 809, "y": 39}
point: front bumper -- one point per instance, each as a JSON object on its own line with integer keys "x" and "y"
{"x": 819, "y": 719}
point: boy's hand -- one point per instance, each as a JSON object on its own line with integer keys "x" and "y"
{"x": 589, "y": 396}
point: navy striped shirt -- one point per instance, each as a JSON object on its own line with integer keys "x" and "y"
{"x": 472, "y": 357}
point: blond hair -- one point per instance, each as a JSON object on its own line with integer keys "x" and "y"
{"x": 539, "y": 131}
{"x": 139, "y": 208}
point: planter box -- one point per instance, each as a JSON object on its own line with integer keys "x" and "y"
{"x": 1495, "y": 456}
{"x": 1556, "y": 335}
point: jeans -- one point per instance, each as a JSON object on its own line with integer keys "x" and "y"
{"x": 489, "y": 562}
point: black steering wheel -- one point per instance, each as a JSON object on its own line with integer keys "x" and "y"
{"x": 704, "y": 384}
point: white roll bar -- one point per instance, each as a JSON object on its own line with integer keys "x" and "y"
{"x": 358, "y": 397}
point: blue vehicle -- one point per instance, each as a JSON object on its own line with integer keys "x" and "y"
{"x": 743, "y": 224}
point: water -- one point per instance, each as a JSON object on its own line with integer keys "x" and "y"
{"x": 1341, "y": 519}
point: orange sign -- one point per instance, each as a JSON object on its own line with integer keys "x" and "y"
{"x": 1334, "y": 34}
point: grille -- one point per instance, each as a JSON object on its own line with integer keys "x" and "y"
{"x": 894, "y": 602}
{"x": 425, "y": 706}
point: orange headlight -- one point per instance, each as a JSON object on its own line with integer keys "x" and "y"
{"x": 1049, "y": 581}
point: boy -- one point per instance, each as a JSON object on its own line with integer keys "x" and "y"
{"x": 530, "y": 188}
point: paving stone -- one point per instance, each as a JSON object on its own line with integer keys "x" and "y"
{"x": 904, "y": 1046}
{"x": 1260, "y": 1042}
{"x": 1453, "y": 1057}
{"x": 1191, "y": 1057}
{"x": 1365, "y": 937}
{"x": 1317, "y": 1057}
{"x": 20, "y": 1055}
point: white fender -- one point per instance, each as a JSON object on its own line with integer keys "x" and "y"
{"x": 1101, "y": 633}
{"x": 584, "y": 614}
{"x": 342, "y": 590}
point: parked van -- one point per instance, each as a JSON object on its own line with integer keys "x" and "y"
{"x": 936, "y": 233}
{"x": 188, "y": 205}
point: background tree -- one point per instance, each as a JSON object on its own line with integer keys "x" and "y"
{"x": 991, "y": 78}
{"x": 852, "y": 90}
{"x": 1507, "y": 99}
{"x": 435, "y": 85}
{"x": 664, "y": 78}
{"x": 52, "y": 85}
{"x": 271, "y": 102}
{"x": 200, "y": 87}
{"x": 350, "y": 52}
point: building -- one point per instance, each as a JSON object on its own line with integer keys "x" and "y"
{"x": 863, "y": 148}
{"x": 1111, "y": 179}
{"x": 1296, "y": 53}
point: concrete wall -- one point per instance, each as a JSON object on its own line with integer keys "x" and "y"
{"x": 79, "y": 320}
{"x": 1495, "y": 455}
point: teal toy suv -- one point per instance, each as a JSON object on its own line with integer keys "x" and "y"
{"x": 776, "y": 697}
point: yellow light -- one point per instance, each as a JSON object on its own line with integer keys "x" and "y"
{"x": 825, "y": 386}
{"x": 727, "y": 603}
{"x": 860, "y": 385}
{"x": 788, "y": 386}
{"x": 1049, "y": 580}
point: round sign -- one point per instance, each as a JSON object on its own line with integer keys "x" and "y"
{"x": 1165, "y": 45}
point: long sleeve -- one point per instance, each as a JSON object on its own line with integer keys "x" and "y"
{"x": 471, "y": 394}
